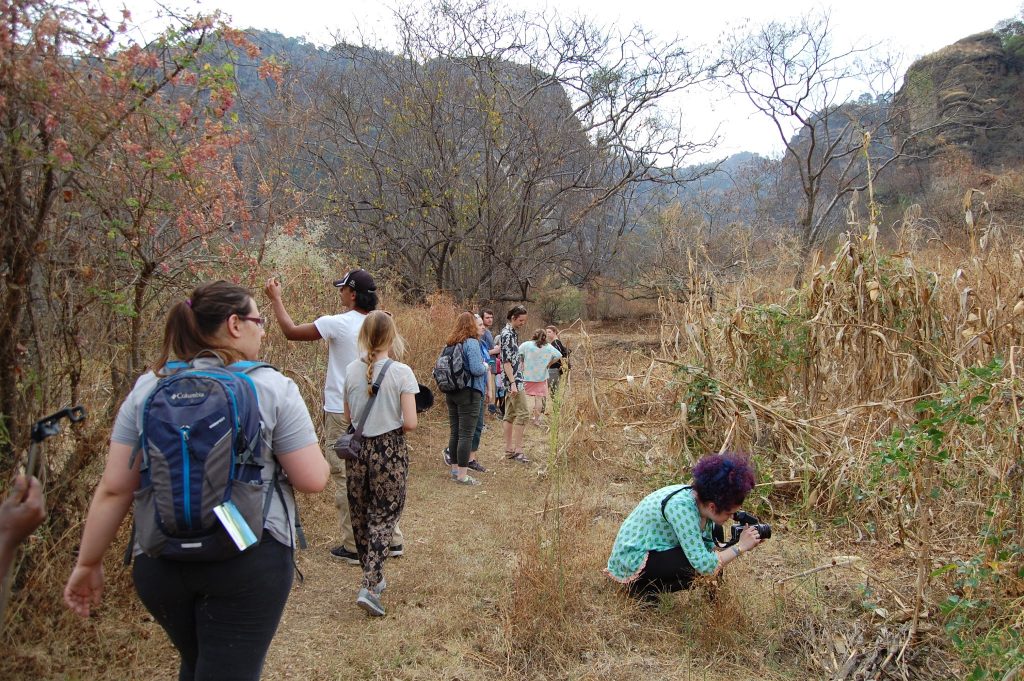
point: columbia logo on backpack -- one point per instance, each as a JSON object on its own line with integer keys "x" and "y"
{"x": 201, "y": 448}
{"x": 451, "y": 371}
{"x": 181, "y": 397}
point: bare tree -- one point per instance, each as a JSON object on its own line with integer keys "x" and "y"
{"x": 496, "y": 147}
{"x": 793, "y": 74}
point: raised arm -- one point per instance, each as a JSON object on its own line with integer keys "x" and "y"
{"x": 291, "y": 330}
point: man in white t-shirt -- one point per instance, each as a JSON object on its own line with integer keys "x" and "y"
{"x": 341, "y": 331}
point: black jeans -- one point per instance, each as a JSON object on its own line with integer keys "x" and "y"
{"x": 221, "y": 616}
{"x": 463, "y": 413}
{"x": 664, "y": 571}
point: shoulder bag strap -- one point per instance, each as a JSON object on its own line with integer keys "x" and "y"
{"x": 373, "y": 397}
{"x": 664, "y": 502}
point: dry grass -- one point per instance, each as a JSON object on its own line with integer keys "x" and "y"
{"x": 883, "y": 396}
{"x": 505, "y": 581}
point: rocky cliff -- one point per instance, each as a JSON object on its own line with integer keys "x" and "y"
{"x": 969, "y": 95}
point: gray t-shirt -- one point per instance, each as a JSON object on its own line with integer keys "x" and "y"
{"x": 386, "y": 414}
{"x": 286, "y": 428}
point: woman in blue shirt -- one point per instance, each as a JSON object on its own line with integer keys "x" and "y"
{"x": 464, "y": 405}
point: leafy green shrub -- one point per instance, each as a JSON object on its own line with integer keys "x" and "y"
{"x": 561, "y": 304}
{"x": 776, "y": 339}
{"x": 982, "y": 625}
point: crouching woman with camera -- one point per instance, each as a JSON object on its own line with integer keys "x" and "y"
{"x": 668, "y": 538}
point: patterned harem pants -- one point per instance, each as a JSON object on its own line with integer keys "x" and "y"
{"x": 376, "y": 496}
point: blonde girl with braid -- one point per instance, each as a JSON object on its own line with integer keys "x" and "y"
{"x": 376, "y": 482}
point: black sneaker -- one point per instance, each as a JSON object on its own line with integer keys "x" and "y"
{"x": 343, "y": 554}
{"x": 476, "y": 465}
{"x": 448, "y": 458}
{"x": 395, "y": 551}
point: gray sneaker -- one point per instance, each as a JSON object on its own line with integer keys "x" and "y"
{"x": 370, "y": 602}
{"x": 468, "y": 480}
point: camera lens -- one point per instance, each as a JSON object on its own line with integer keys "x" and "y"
{"x": 765, "y": 530}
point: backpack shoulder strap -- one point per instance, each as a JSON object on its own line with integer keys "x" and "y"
{"x": 664, "y": 502}
{"x": 247, "y": 366}
{"x": 173, "y": 367}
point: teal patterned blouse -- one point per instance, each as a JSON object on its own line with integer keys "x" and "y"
{"x": 645, "y": 529}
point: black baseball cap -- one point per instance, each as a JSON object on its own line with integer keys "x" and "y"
{"x": 358, "y": 280}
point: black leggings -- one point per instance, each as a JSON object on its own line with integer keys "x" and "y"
{"x": 664, "y": 571}
{"x": 221, "y": 616}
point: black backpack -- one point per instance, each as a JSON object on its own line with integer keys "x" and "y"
{"x": 451, "y": 370}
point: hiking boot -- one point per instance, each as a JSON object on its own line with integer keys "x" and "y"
{"x": 370, "y": 602}
{"x": 477, "y": 466}
{"x": 343, "y": 554}
{"x": 448, "y": 457}
{"x": 468, "y": 480}
{"x": 395, "y": 551}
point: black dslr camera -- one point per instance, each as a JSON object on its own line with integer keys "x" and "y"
{"x": 743, "y": 519}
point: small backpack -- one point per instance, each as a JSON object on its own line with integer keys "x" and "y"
{"x": 201, "y": 481}
{"x": 451, "y": 371}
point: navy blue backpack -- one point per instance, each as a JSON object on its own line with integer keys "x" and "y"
{"x": 201, "y": 448}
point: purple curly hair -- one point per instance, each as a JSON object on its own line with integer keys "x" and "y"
{"x": 724, "y": 479}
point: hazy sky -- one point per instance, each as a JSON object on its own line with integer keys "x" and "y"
{"x": 911, "y": 28}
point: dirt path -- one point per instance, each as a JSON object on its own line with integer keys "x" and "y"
{"x": 442, "y": 593}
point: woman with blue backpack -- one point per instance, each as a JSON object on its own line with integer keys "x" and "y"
{"x": 210, "y": 447}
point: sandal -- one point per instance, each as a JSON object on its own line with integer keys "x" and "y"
{"x": 510, "y": 454}
{"x": 521, "y": 458}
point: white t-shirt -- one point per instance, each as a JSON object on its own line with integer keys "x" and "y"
{"x": 341, "y": 331}
{"x": 386, "y": 414}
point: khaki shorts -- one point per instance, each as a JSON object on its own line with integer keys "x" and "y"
{"x": 335, "y": 425}
{"x": 516, "y": 411}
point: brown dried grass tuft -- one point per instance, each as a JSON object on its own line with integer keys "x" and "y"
{"x": 814, "y": 381}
